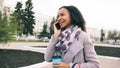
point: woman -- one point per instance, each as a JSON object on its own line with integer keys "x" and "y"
{"x": 72, "y": 40}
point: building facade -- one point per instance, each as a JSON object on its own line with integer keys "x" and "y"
{"x": 93, "y": 33}
{"x": 40, "y": 20}
{"x": 4, "y": 9}
{"x": 1, "y": 7}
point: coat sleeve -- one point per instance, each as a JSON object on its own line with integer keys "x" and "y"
{"x": 50, "y": 49}
{"x": 90, "y": 56}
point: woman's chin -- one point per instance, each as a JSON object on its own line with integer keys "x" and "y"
{"x": 63, "y": 28}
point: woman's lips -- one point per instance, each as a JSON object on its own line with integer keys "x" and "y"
{"x": 61, "y": 22}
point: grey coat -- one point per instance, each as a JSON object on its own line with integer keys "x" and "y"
{"x": 81, "y": 52}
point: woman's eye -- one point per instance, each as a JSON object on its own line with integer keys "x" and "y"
{"x": 62, "y": 14}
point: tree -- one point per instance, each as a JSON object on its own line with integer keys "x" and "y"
{"x": 44, "y": 32}
{"x": 19, "y": 14}
{"x": 3, "y": 28}
{"x": 114, "y": 35}
{"x": 119, "y": 36}
{"x": 13, "y": 26}
{"x": 102, "y": 35}
{"x": 109, "y": 35}
{"x": 28, "y": 19}
{"x": 7, "y": 28}
{"x": 51, "y": 27}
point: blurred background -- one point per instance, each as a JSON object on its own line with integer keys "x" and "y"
{"x": 26, "y": 26}
{"x": 101, "y": 16}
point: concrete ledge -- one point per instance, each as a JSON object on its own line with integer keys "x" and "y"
{"x": 108, "y": 50}
{"x": 40, "y": 65}
{"x": 107, "y": 63}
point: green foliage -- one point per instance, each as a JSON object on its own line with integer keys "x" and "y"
{"x": 3, "y": 29}
{"x": 19, "y": 14}
{"x": 28, "y": 19}
{"x": 44, "y": 32}
{"x": 18, "y": 8}
{"x": 7, "y": 28}
{"x": 25, "y": 18}
{"x": 51, "y": 27}
{"x": 44, "y": 28}
{"x": 21, "y": 21}
{"x": 12, "y": 25}
{"x": 102, "y": 35}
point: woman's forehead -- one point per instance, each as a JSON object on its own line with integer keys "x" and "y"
{"x": 63, "y": 10}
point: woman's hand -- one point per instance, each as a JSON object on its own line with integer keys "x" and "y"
{"x": 56, "y": 31}
{"x": 60, "y": 65}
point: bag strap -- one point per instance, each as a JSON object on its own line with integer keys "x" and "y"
{"x": 84, "y": 54}
{"x": 74, "y": 65}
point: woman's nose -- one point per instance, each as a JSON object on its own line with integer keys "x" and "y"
{"x": 59, "y": 19}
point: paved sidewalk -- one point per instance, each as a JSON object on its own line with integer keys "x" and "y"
{"x": 109, "y": 62}
{"x": 25, "y": 46}
{"x": 105, "y": 61}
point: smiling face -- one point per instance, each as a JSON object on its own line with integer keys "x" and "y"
{"x": 63, "y": 17}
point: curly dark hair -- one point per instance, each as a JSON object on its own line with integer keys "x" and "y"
{"x": 76, "y": 16}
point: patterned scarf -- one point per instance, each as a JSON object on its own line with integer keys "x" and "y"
{"x": 67, "y": 37}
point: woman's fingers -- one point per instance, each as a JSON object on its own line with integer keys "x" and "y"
{"x": 57, "y": 63}
{"x": 60, "y": 65}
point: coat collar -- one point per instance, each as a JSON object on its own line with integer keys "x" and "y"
{"x": 72, "y": 51}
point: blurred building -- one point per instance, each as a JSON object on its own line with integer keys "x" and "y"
{"x": 40, "y": 20}
{"x": 4, "y": 9}
{"x": 1, "y": 7}
{"x": 93, "y": 33}
{"x": 7, "y": 10}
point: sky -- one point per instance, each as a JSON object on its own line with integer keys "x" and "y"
{"x": 97, "y": 13}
